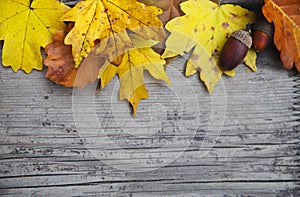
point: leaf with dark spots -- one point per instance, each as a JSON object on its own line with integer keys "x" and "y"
{"x": 115, "y": 16}
{"x": 203, "y": 44}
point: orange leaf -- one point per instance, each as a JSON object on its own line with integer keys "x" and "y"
{"x": 285, "y": 14}
{"x": 59, "y": 61}
{"x": 61, "y": 65}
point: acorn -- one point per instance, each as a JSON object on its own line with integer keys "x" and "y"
{"x": 235, "y": 49}
{"x": 262, "y": 34}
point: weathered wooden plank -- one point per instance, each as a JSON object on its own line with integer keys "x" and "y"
{"x": 256, "y": 149}
{"x": 132, "y": 189}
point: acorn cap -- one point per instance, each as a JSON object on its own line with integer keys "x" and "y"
{"x": 264, "y": 26}
{"x": 243, "y": 36}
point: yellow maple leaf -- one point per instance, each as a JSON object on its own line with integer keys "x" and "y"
{"x": 100, "y": 19}
{"x": 26, "y": 27}
{"x": 204, "y": 29}
{"x": 134, "y": 62}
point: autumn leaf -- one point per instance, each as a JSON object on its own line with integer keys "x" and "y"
{"x": 59, "y": 61}
{"x": 285, "y": 14}
{"x": 204, "y": 29}
{"x": 170, "y": 8}
{"x": 26, "y": 27}
{"x": 89, "y": 69}
{"x": 130, "y": 72}
{"x": 250, "y": 60}
{"x": 100, "y": 19}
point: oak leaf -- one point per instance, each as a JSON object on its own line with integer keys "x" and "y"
{"x": 26, "y": 26}
{"x": 59, "y": 61}
{"x": 130, "y": 72}
{"x": 100, "y": 19}
{"x": 285, "y": 14}
{"x": 204, "y": 29}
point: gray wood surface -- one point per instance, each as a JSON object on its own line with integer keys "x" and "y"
{"x": 243, "y": 140}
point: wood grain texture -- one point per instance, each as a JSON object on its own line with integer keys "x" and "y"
{"x": 255, "y": 153}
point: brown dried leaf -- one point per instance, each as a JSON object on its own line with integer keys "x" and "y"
{"x": 60, "y": 63}
{"x": 89, "y": 69}
{"x": 285, "y": 14}
{"x": 170, "y": 8}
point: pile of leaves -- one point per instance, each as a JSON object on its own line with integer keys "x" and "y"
{"x": 105, "y": 38}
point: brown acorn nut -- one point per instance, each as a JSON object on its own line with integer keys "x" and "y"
{"x": 262, "y": 35}
{"x": 235, "y": 49}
